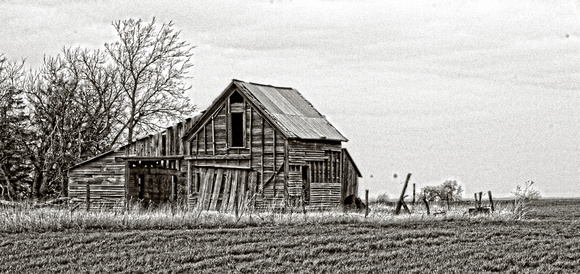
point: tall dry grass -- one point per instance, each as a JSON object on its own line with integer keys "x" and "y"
{"x": 27, "y": 218}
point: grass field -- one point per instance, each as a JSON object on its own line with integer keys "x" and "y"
{"x": 547, "y": 242}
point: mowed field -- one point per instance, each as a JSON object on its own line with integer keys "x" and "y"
{"x": 548, "y": 241}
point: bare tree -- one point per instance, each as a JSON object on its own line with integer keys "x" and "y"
{"x": 75, "y": 108}
{"x": 151, "y": 63}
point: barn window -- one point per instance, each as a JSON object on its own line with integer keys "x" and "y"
{"x": 237, "y": 132}
{"x": 237, "y": 129}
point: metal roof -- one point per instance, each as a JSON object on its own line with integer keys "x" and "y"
{"x": 291, "y": 112}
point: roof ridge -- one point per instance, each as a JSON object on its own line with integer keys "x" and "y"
{"x": 259, "y": 84}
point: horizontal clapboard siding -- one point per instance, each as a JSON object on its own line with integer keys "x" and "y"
{"x": 106, "y": 179}
{"x": 324, "y": 194}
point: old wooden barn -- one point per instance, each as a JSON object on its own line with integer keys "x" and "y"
{"x": 256, "y": 146}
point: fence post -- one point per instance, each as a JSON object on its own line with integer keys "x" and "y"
{"x": 475, "y": 195}
{"x": 490, "y": 200}
{"x": 88, "y": 196}
{"x": 400, "y": 202}
{"x": 413, "y": 195}
{"x": 366, "y": 202}
{"x": 426, "y": 205}
{"x": 479, "y": 201}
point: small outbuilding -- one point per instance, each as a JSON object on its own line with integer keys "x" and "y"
{"x": 256, "y": 146}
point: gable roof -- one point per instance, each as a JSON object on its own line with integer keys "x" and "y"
{"x": 293, "y": 115}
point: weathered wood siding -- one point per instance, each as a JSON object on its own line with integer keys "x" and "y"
{"x": 263, "y": 151}
{"x": 165, "y": 143}
{"x": 322, "y": 160}
{"x": 350, "y": 176}
{"x": 223, "y": 189}
{"x": 106, "y": 179}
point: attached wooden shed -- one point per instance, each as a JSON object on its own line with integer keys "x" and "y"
{"x": 256, "y": 146}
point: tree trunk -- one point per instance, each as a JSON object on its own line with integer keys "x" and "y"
{"x": 36, "y": 183}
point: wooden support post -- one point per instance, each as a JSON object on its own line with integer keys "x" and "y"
{"x": 405, "y": 207}
{"x": 261, "y": 188}
{"x": 366, "y": 202}
{"x": 188, "y": 190}
{"x": 475, "y": 195}
{"x": 213, "y": 136}
{"x": 126, "y": 186}
{"x": 88, "y": 196}
{"x": 204, "y": 140}
{"x": 173, "y": 193}
{"x": 236, "y": 201}
{"x": 479, "y": 200}
{"x": 286, "y": 172}
{"x": 413, "y": 194}
{"x": 400, "y": 202}
{"x": 250, "y": 133}
{"x": 490, "y": 200}
{"x": 426, "y": 205}
{"x": 303, "y": 202}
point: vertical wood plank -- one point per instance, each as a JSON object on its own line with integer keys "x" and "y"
{"x": 227, "y": 111}
{"x": 88, "y": 196}
{"x": 226, "y": 194}
{"x": 202, "y": 187}
{"x": 244, "y": 121}
{"x": 216, "y": 189}
{"x": 213, "y": 135}
{"x": 286, "y": 170}
{"x": 233, "y": 190}
{"x": 250, "y": 133}
{"x": 188, "y": 190}
{"x": 204, "y": 140}
{"x": 274, "y": 150}
{"x": 210, "y": 185}
{"x": 253, "y": 181}
{"x": 344, "y": 186}
{"x": 126, "y": 188}
{"x": 262, "y": 156}
{"x": 196, "y": 145}
{"x": 169, "y": 141}
{"x": 331, "y": 167}
{"x": 242, "y": 189}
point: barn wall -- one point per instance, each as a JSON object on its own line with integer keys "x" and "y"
{"x": 263, "y": 152}
{"x": 223, "y": 189}
{"x": 168, "y": 142}
{"x": 322, "y": 160}
{"x": 106, "y": 177}
{"x": 350, "y": 175}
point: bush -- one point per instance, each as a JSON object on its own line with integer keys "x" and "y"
{"x": 383, "y": 199}
{"x": 449, "y": 190}
{"x": 524, "y": 195}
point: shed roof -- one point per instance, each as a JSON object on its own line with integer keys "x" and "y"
{"x": 290, "y": 112}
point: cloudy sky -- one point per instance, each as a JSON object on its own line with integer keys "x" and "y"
{"x": 483, "y": 92}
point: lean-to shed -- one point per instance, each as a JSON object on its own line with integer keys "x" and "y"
{"x": 255, "y": 146}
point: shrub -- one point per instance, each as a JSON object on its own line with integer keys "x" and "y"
{"x": 383, "y": 199}
{"x": 524, "y": 195}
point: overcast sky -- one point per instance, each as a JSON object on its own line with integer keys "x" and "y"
{"x": 483, "y": 92}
